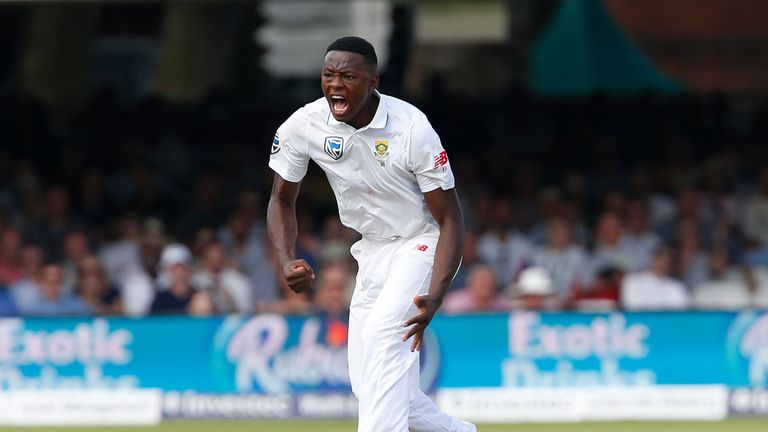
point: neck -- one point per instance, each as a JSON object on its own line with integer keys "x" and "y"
{"x": 366, "y": 114}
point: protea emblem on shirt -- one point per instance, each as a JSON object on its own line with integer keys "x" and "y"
{"x": 381, "y": 152}
{"x": 334, "y": 147}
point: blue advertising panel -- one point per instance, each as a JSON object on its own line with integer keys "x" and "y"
{"x": 273, "y": 354}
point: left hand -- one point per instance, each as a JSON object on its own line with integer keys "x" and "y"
{"x": 428, "y": 306}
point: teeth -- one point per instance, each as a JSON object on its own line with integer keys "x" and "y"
{"x": 337, "y": 98}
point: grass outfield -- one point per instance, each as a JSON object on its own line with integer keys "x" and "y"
{"x": 736, "y": 425}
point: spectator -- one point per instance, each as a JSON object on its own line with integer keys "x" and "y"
{"x": 689, "y": 207}
{"x": 7, "y": 305}
{"x": 726, "y": 288}
{"x": 336, "y": 241}
{"x": 245, "y": 244}
{"x": 638, "y": 241}
{"x": 604, "y": 292}
{"x": 607, "y": 253}
{"x": 563, "y": 260}
{"x": 75, "y": 249}
{"x": 755, "y": 220}
{"x": 534, "y": 290}
{"x": 201, "y": 304}
{"x": 654, "y": 288}
{"x": 138, "y": 284}
{"x": 480, "y": 295}
{"x": 174, "y": 281}
{"x": 229, "y": 289}
{"x": 11, "y": 268}
{"x": 332, "y": 291}
{"x": 58, "y": 220}
{"x": 501, "y": 247}
{"x": 693, "y": 261}
{"x": 54, "y": 299}
{"x": 26, "y": 291}
{"x": 120, "y": 256}
{"x": 290, "y": 303}
{"x": 94, "y": 288}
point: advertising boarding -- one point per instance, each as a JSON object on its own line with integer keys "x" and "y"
{"x": 490, "y": 367}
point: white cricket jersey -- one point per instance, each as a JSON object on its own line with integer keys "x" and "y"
{"x": 378, "y": 172}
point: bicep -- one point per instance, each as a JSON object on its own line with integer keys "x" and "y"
{"x": 283, "y": 191}
{"x": 444, "y": 205}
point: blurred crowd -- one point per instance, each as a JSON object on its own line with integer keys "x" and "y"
{"x": 147, "y": 208}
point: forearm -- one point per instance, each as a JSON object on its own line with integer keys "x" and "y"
{"x": 447, "y": 255}
{"x": 282, "y": 228}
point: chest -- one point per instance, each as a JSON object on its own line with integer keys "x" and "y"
{"x": 375, "y": 153}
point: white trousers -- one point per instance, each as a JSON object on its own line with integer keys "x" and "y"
{"x": 383, "y": 371}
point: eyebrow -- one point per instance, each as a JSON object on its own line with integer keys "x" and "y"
{"x": 340, "y": 69}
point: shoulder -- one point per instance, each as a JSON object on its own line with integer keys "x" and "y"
{"x": 405, "y": 114}
{"x": 317, "y": 109}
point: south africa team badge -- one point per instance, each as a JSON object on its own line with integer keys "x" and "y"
{"x": 381, "y": 152}
{"x": 334, "y": 147}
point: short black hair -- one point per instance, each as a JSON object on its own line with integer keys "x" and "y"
{"x": 356, "y": 45}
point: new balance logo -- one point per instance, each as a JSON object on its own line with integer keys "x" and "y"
{"x": 441, "y": 160}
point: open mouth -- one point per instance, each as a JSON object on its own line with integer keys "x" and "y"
{"x": 339, "y": 105}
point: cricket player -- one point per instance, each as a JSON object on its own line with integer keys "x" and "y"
{"x": 393, "y": 184}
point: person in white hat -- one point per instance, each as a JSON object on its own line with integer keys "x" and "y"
{"x": 174, "y": 281}
{"x": 535, "y": 290}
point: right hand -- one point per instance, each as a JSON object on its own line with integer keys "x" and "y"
{"x": 299, "y": 275}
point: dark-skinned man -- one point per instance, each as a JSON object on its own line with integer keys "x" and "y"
{"x": 393, "y": 184}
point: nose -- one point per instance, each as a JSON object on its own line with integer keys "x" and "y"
{"x": 335, "y": 82}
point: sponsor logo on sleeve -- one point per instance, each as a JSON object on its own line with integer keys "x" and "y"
{"x": 441, "y": 160}
{"x": 334, "y": 147}
{"x": 275, "y": 144}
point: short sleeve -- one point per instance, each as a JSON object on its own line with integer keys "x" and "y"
{"x": 429, "y": 160}
{"x": 288, "y": 155}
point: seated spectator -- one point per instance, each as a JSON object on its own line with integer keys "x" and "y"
{"x": 75, "y": 249}
{"x": 501, "y": 247}
{"x": 120, "y": 255}
{"x": 246, "y": 245}
{"x": 290, "y": 303}
{"x": 336, "y": 241}
{"x": 480, "y": 295}
{"x": 11, "y": 268}
{"x": 603, "y": 294}
{"x": 693, "y": 261}
{"x": 638, "y": 241}
{"x": 563, "y": 260}
{"x": 608, "y": 252}
{"x": 726, "y": 288}
{"x": 534, "y": 290}
{"x": 94, "y": 288}
{"x": 54, "y": 299}
{"x": 138, "y": 283}
{"x": 57, "y": 220}
{"x": 174, "y": 281}
{"x": 755, "y": 219}
{"x": 229, "y": 289}
{"x": 331, "y": 291}
{"x": 7, "y": 305}
{"x": 201, "y": 304}
{"x": 654, "y": 289}
{"x": 26, "y": 291}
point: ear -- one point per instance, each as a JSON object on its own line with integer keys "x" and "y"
{"x": 374, "y": 84}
